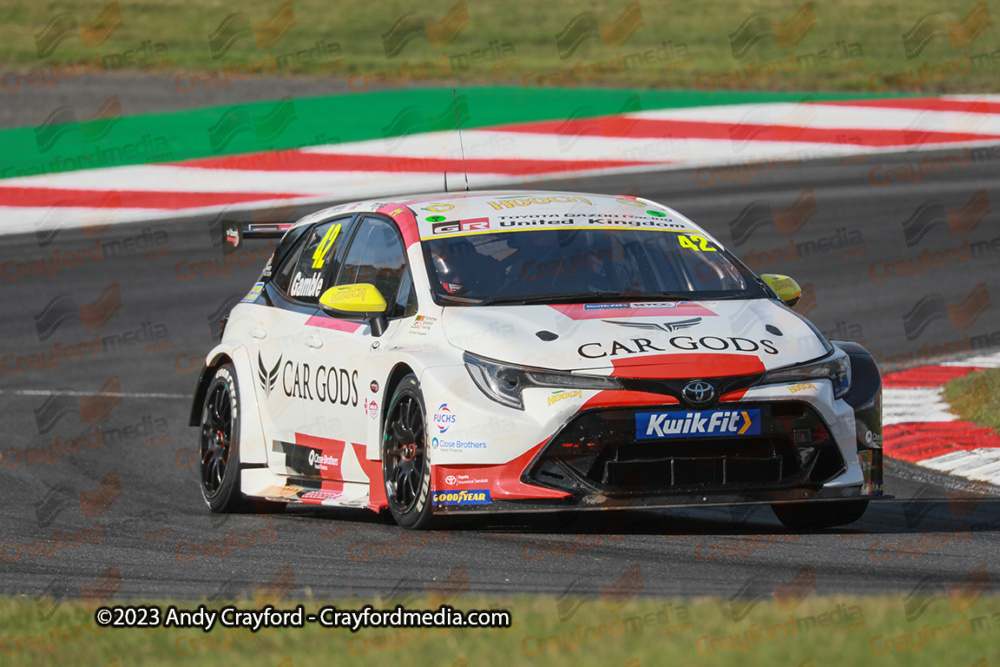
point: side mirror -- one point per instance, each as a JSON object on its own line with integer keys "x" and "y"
{"x": 786, "y": 288}
{"x": 359, "y": 299}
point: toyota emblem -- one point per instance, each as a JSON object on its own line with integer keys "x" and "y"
{"x": 699, "y": 392}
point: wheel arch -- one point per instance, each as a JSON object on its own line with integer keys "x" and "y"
{"x": 253, "y": 449}
{"x": 396, "y": 375}
{"x": 215, "y": 359}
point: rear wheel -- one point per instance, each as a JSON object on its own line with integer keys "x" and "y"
{"x": 406, "y": 466}
{"x": 220, "y": 441}
{"x": 805, "y": 516}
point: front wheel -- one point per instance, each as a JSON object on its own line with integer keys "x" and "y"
{"x": 806, "y": 516}
{"x": 406, "y": 466}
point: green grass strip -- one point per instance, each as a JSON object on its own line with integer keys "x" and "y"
{"x": 792, "y": 628}
{"x": 294, "y": 123}
{"x": 976, "y": 397}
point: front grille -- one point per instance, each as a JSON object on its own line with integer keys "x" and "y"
{"x": 603, "y": 451}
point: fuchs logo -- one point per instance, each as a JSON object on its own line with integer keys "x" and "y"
{"x": 320, "y": 461}
{"x": 268, "y": 378}
{"x": 669, "y": 327}
{"x": 696, "y": 424}
{"x": 444, "y": 418}
{"x": 699, "y": 392}
{"x": 471, "y": 497}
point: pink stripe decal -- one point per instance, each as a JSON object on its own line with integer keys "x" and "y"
{"x": 595, "y": 311}
{"x": 324, "y": 322}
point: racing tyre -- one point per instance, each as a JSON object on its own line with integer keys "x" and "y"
{"x": 220, "y": 441}
{"x": 406, "y": 466}
{"x": 807, "y": 516}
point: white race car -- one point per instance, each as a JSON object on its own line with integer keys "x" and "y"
{"x": 524, "y": 351}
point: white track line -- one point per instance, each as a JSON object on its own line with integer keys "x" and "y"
{"x": 89, "y": 394}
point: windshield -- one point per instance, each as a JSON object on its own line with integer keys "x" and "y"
{"x": 581, "y": 265}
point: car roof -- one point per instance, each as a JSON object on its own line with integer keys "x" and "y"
{"x": 438, "y": 215}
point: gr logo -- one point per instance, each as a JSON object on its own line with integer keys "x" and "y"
{"x": 455, "y": 226}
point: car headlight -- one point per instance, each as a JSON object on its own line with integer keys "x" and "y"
{"x": 504, "y": 382}
{"x": 836, "y": 368}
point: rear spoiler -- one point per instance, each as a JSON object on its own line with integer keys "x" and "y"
{"x": 235, "y": 232}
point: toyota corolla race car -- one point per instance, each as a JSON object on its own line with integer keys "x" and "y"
{"x": 498, "y": 351}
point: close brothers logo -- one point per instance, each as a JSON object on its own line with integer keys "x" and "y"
{"x": 320, "y": 461}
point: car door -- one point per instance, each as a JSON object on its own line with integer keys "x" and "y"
{"x": 287, "y": 384}
{"x": 347, "y": 350}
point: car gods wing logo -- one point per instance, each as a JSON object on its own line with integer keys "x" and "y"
{"x": 669, "y": 327}
{"x": 698, "y": 392}
{"x": 268, "y": 378}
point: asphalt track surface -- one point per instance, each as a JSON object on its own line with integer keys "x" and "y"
{"x": 141, "y": 504}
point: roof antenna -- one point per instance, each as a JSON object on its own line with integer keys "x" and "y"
{"x": 458, "y": 120}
